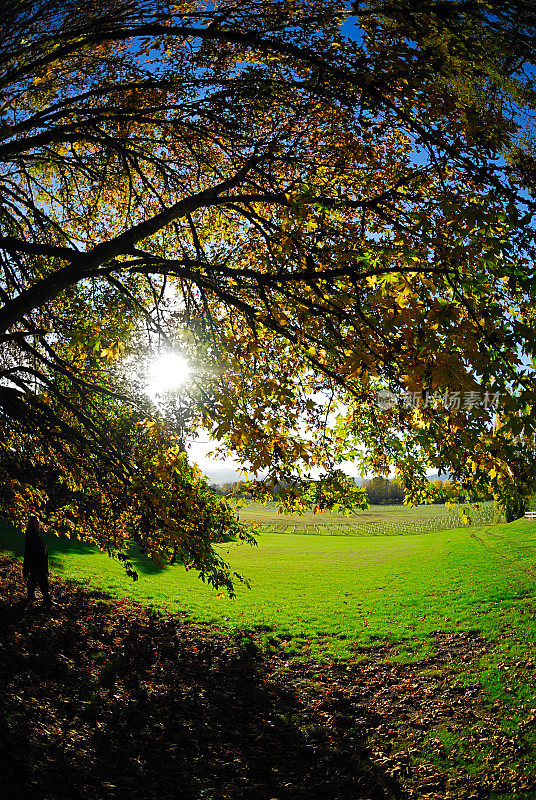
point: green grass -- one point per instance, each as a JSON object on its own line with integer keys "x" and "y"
{"x": 330, "y": 594}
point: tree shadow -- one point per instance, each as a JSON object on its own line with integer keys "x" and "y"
{"x": 12, "y": 541}
{"x": 100, "y": 699}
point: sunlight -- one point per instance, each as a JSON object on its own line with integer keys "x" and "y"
{"x": 167, "y": 373}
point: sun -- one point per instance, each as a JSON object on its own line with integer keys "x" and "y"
{"x": 167, "y": 373}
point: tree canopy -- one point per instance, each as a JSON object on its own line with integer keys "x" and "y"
{"x": 316, "y": 205}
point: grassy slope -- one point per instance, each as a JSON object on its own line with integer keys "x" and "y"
{"x": 325, "y": 596}
{"x": 100, "y": 699}
{"x": 342, "y": 591}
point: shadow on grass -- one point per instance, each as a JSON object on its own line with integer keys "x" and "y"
{"x": 12, "y": 541}
{"x": 99, "y": 699}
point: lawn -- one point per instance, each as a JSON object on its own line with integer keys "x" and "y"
{"x": 427, "y": 640}
{"x": 330, "y": 594}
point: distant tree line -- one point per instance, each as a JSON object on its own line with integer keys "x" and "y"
{"x": 243, "y": 489}
{"x": 380, "y": 490}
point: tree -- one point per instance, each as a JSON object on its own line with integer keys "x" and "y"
{"x": 382, "y": 491}
{"x": 378, "y": 490}
{"x": 119, "y": 125}
{"x": 470, "y": 62}
{"x": 396, "y": 492}
{"x": 313, "y": 218}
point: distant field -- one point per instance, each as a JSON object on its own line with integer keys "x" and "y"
{"x": 376, "y": 520}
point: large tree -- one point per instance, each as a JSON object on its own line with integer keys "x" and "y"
{"x": 314, "y": 217}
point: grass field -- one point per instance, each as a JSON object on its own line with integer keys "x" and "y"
{"x": 338, "y": 597}
{"x": 374, "y": 521}
{"x": 331, "y": 594}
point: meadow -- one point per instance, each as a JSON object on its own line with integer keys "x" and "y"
{"x": 442, "y": 620}
{"x": 328, "y": 595}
